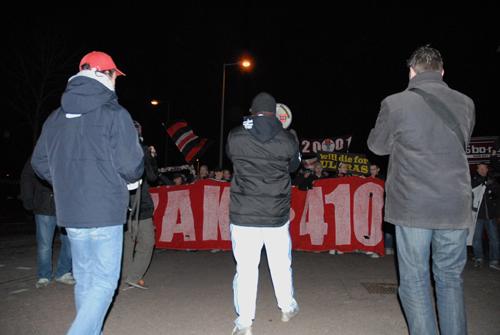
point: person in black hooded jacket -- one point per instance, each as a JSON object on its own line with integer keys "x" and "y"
{"x": 263, "y": 156}
{"x": 139, "y": 239}
{"x": 37, "y": 196}
{"x": 486, "y": 218}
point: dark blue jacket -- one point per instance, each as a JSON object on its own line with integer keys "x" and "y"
{"x": 89, "y": 156}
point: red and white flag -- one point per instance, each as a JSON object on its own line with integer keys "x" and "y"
{"x": 189, "y": 144}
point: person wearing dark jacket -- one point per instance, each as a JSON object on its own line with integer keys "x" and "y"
{"x": 304, "y": 181}
{"x": 37, "y": 196}
{"x": 486, "y": 218}
{"x": 423, "y": 127}
{"x": 263, "y": 156}
{"x": 89, "y": 152}
{"x": 139, "y": 240}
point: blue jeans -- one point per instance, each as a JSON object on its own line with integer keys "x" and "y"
{"x": 97, "y": 256}
{"x": 45, "y": 229}
{"x": 477, "y": 242}
{"x": 449, "y": 255}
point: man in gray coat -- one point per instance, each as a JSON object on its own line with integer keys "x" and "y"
{"x": 423, "y": 128}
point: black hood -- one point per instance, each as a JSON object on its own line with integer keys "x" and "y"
{"x": 84, "y": 95}
{"x": 264, "y": 127}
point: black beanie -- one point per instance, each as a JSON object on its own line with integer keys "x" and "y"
{"x": 263, "y": 102}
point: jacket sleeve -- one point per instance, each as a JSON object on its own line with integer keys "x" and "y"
{"x": 40, "y": 158}
{"x": 150, "y": 167}
{"x": 380, "y": 140}
{"x": 493, "y": 186}
{"x": 228, "y": 147}
{"x": 127, "y": 154}
{"x": 472, "y": 122}
{"x": 296, "y": 158}
{"x": 27, "y": 186}
{"x": 476, "y": 181}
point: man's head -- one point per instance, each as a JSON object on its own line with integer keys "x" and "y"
{"x": 227, "y": 174}
{"x": 219, "y": 173}
{"x": 178, "y": 179}
{"x": 203, "y": 171}
{"x": 342, "y": 168}
{"x": 374, "y": 170}
{"x": 482, "y": 169}
{"x": 101, "y": 62}
{"x": 264, "y": 104}
{"x": 425, "y": 59}
{"x": 318, "y": 169}
{"x": 138, "y": 127}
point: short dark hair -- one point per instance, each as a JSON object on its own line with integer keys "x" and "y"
{"x": 425, "y": 59}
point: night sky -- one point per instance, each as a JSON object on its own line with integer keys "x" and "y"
{"x": 331, "y": 66}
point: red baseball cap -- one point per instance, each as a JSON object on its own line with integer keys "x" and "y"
{"x": 100, "y": 61}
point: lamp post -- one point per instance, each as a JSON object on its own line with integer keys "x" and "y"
{"x": 155, "y": 103}
{"x": 245, "y": 64}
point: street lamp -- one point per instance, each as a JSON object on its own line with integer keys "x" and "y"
{"x": 155, "y": 103}
{"x": 245, "y": 64}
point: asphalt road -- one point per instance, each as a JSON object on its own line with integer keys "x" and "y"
{"x": 191, "y": 293}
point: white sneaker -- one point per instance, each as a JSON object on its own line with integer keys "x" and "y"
{"x": 138, "y": 284}
{"x": 372, "y": 254}
{"x": 66, "y": 278}
{"x": 42, "y": 282}
{"x": 242, "y": 331}
{"x": 495, "y": 267}
{"x": 287, "y": 316}
{"x": 478, "y": 263}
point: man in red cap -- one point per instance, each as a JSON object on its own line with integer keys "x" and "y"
{"x": 100, "y": 61}
{"x": 89, "y": 152}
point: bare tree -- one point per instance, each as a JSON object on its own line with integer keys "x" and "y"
{"x": 38, "y": 67}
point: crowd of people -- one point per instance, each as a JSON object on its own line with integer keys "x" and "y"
{"x": 90, "y": 173}
{"x": 187, "y": 175}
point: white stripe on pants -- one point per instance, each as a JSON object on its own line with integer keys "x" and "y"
{"x": 247, "y": 245}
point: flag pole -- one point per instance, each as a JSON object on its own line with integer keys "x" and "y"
{"x": 165, "y": 152}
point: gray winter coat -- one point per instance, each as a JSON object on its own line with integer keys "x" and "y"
{"x": 428, "y": 180}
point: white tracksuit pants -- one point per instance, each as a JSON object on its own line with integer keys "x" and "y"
{"x": 247, "y": 245}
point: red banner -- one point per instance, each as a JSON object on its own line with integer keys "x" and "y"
{"x": 342, "y": 214}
